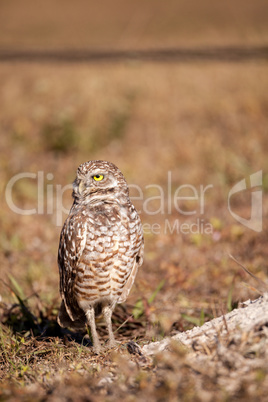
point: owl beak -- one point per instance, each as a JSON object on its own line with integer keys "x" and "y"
{"x": 81, "y": 187}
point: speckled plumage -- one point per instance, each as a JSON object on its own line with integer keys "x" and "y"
{"x": 100, "y": 250}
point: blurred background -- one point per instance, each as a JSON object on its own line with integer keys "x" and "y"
{"x": 154, "y": 87}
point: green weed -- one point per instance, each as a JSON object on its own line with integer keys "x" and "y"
{"x": 197, "y": 321}
{"x": 139, "y": 307}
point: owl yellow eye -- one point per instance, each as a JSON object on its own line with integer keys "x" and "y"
{"x": 98, "y": 177}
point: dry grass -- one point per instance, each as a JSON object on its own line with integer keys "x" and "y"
{"x": 205, "y": 123}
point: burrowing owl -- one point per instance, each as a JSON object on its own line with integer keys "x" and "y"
{"x": 100, "y": 249}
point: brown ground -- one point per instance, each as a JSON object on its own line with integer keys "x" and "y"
{"x": 206, "y": 123}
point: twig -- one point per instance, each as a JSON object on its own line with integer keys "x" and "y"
{"x": 262, "y": 284}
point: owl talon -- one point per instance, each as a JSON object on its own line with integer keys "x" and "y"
{"x": 111, "y": 344}
{"x": 96, "y": 349}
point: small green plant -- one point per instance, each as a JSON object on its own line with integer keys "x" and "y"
{"x": 24, "y": 320}
{"x": 139, "y": 307}
{"x": 197, "y": 321}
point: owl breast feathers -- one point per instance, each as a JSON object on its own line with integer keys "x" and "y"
{"x": 101, "y": 245}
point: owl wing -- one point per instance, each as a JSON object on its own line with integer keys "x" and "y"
{"x": 137, "y": 263}
{"x": 72, "y": 243}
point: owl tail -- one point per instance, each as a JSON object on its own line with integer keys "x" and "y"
{"x": 65, "y": 321}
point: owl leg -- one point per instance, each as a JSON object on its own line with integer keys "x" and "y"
{"x": 107, "y": 312}
{"x": 90, "y": 314}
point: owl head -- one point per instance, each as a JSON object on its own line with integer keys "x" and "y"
{"x": 99, "y": 180}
